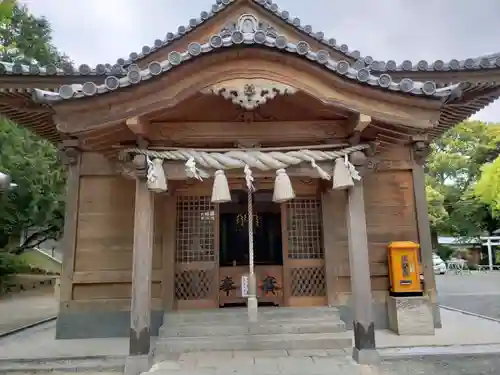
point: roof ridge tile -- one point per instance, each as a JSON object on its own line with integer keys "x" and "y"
{"x": 343, "y": 68}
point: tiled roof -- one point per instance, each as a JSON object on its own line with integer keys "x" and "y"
{"x": 135, "y": 75}
{"x": 483, "y": 62}
{"x": 377, "y": 66}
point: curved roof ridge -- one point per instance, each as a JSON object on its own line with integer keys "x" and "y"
{"x": 342, "y": 68}
{"x": 489, "y": 61}
{"x": 269, "y": 5}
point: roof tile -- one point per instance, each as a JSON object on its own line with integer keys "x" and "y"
{"x": 135, "y": 75}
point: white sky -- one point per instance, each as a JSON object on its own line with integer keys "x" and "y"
{"x": 101, "y": 31}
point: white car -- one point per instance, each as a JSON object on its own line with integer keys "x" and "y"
{"x": 438, "y": 265}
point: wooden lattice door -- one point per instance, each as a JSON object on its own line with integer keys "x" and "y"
{"x": 195, "y": 255}
{"x": 304, "y": 256}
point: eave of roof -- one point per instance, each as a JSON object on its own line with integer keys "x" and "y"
{"x": 302, "y": 49}
{"x": 478, "y": 63}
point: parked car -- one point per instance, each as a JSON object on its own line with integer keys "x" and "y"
{"x": 438, "y": 264}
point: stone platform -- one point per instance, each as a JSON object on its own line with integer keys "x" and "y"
{"x": 229, "y": 330}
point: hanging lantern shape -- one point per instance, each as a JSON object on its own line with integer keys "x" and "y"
{"x": 342, "y": 178}
{"x": 157, "y": 180}
{"x": 220, "y": 190}
{"x": 283, "y": 189}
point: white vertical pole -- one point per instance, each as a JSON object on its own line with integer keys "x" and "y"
{"x": 490, "y": 254}
{"x": 252, "y": 302}
{"x": 252, "y": 287}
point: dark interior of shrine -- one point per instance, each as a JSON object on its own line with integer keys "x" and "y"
{"x": 266, "y": 227}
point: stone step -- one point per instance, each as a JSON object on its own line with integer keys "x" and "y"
{"x": 240, "y": 315}
{"x": 243, "y": 319}
{"x": 255, "y": 342}
{"x": 262, "y": 327}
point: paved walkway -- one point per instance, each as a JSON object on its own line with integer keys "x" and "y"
{"x": 20, "y": 309}
{"x": 478, "y": 292}
{"x": 459, "y": 329}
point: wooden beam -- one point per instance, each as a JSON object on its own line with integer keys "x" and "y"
{"x": 138, "y": 126}
{"x": 359, "y": 122}
{"x": 110, "y": 277}
{"x": 160, "y": 130}
{"x": 248, "y": 132}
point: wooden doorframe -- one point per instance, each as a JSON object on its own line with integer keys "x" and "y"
{"x": 289, "y": 265}
{"x": 286, "y": 261}
{"x": 211, "y": 266}
{"x": 217, "y": 254}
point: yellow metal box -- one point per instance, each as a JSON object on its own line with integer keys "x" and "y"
{"x": 404, "y": 268}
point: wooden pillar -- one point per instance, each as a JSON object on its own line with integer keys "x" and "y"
{"x": 363, "y": 323}
{"x": 330, "y": 200}
{"x": 168, "y": 251}
{"x": 71, "y": 157}
{"x": 140, "y": 315}
{"x": 420, "y": 151}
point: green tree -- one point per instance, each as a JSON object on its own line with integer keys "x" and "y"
{"x": 6, "y": 9}
{"x": 37, "y": 202}
{"x": 453, "y": 167}
{"x": 487, "y": 188}
{"x": 25, "y": 38}
{"x": 438, "y": 216}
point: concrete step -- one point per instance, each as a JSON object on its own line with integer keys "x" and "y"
{"x": 269, "y": 327}
{"x": 240, "y": 315}
{"x": 255, "y": 342}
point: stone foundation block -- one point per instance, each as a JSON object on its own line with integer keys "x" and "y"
{"x": 410, "y": 316}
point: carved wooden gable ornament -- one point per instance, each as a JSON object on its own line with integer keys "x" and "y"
{"x": 249, "y": 93}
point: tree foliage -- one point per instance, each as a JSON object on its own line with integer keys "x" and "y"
{"x": 25, "y": 38}
{"x": 37, "y": 201}
{"x": 453, "y": 167}
{"x": 6, "y": 10}
{"x": 488, "y": 186}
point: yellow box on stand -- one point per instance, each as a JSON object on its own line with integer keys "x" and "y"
{"x": 404, "y": 268}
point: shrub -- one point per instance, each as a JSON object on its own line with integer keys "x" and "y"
{"x": 445, "y": 252}
{"x": 9, "y": 265}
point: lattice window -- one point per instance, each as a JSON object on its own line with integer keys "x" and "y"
{"x": 193, "y": 284}
{"x": 308, "y": 281}
{"x": 195, "y": 232}
{"x": 304, "y": 229}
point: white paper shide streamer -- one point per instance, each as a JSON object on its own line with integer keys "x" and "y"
{"x": 156, "y": 179}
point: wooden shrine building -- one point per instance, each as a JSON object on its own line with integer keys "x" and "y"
{"x": 243, "y": 92}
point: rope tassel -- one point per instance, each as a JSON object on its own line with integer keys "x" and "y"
{"x": 283, "y": 189}
{"x": 157, "y": 180}
{"x": 342, "y": 178}
{"x": 220, "y": 190}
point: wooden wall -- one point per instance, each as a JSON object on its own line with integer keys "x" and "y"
{"x": 102, "y": 266}
{"x": 390, "y": 216}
